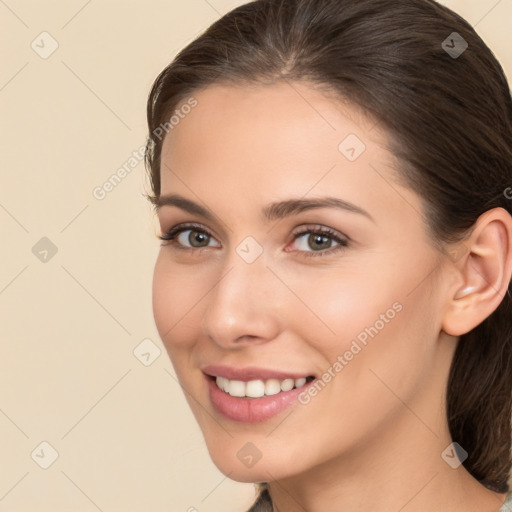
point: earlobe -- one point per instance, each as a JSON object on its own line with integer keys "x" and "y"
{"x": 485, "y": 272}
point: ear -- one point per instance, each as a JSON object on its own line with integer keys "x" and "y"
{"x": 484, "y": 270}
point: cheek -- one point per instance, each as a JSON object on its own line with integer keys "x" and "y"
{"x": 339, "y": 306}
{"x": 372, "y": 321}
{"x": 175, "y": 294}
{"x": 396, "y": 336}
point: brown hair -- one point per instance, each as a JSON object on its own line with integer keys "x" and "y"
{"x": 449, "y": 118}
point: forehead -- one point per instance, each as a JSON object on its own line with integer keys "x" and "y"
{"x": 271, "y": 141}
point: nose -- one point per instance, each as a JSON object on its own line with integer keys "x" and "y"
{"x": 244, "y": 305}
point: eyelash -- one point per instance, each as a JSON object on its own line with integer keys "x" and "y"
{"x": 171, "y": 235}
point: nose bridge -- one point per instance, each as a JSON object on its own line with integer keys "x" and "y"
{"x": 242, "y": 301}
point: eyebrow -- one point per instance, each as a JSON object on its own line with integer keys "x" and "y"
{"x": 273, "y": 211}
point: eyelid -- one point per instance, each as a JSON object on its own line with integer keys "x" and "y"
{"x": 342, "y": 240}
{"x": 306, "y": 228}
{"x": 171, "y": 234}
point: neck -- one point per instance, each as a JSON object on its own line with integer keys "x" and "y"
{"x": 399, "y": 468}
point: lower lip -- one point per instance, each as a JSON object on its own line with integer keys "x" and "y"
{"x": 252, "y": 410}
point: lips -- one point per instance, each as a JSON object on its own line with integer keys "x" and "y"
{"x": 248, "y": 373}
{"x": 253, "y": 409}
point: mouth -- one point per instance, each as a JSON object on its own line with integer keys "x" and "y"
{"x": 258, "y": 388}
{"x": 252, "y": 394}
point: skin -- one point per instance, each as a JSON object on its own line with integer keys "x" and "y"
{"x": 372, "y": 439}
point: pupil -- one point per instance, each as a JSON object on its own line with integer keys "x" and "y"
{"x": 319, "y": 239}
{"x": 196, "y": 236}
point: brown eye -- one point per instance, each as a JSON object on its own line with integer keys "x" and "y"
{"x": 197, "y": 237}
{"x": 319, "y": 242}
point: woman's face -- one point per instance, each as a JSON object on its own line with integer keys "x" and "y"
{"x": 358, "y": 308}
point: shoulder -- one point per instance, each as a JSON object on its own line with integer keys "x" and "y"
{"x": 507, "y": 506}
{"x": 263, "y": 502}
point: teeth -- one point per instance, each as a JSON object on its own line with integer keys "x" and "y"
{"x": 300, "y": 382}
{"x": 236, "y": 388}
{"x": 255, "y": 388}
{"x": 258, "y": 388}
{"x": 272, "y": 387}
{"x": 287, "y": 384}
{"x": 220, "y": 382}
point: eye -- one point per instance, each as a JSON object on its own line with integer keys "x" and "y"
{"x": 197, "y": 237}
{"x": 320, "y": 240}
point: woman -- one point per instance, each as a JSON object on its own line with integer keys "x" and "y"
{"x": 333, "y": 185}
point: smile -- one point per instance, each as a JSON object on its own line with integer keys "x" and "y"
{"x": 259, "y": 388}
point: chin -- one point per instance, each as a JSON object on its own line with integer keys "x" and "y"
{"x": 248, "y": 477}
{"x": 234, "y": 467}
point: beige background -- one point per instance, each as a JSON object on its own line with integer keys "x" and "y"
{"x": 125, "y": 438}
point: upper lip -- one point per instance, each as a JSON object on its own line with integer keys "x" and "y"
{"x": 248, "y": 373}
